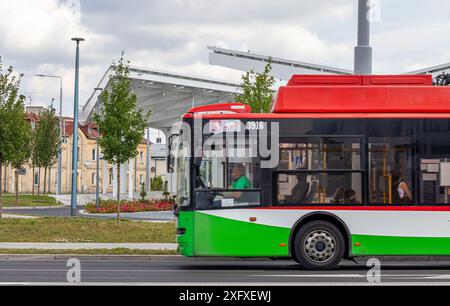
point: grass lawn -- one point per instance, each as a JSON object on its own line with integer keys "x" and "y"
{"x": 89, "y": 252}
{"x": 84, "y": 230}
{"x": 9, "y": 200}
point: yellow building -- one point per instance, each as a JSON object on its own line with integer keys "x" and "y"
{"x": 87, "y": 166}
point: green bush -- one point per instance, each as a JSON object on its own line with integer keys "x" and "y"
{"x": 157, "y": 183}
{"x": 143, "y": 193}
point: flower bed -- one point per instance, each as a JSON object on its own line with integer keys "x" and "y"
{"x": 110, "y": 206}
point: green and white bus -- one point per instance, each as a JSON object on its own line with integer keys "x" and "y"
{"x": 343, "y": 167}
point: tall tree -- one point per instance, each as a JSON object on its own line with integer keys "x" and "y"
{"x": 121, "y": 125}
{"x": 257, "y": 90}
{"x": 11, "y": 110}
{"x": 46, "y": 142}
{"x": 22, "y": 153}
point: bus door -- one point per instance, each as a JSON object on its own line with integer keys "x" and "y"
{"x": 227, "y": 195}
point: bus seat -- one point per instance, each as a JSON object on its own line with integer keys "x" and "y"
{"x": 312, "y": 193}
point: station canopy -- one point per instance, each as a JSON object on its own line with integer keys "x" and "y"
{"x": 167, "y": 95}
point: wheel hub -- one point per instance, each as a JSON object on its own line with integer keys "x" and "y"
{"x": 320, "y": 246}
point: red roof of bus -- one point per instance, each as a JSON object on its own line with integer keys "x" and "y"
{"x": 353, "y": 96}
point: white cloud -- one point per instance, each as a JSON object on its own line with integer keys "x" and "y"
{"x": 172, "y": 35}
{"x": 409, "y": 49}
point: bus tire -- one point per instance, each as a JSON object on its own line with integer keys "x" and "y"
{"x": 319, "y": 245}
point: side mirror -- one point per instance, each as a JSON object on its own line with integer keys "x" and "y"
{"x": 170, "y": 156}
{"x": 170, "y": 163}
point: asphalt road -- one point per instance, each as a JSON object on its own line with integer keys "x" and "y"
{"x": 214, "y": 272}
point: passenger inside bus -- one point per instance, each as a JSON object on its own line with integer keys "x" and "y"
{"x": 401, "y": 192}
{"x": 338, "y": 197}
{"x": 350, "y": 197}
{"x": 299, "y": 192}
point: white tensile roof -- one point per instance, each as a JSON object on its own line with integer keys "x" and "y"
{"x": 168, "y": 95}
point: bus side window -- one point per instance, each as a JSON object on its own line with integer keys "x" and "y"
{"x": 390, "y": 170}
{"x": 435, "y": 181}
{"x": 312, "y": 169}
{"x": 309, "y": 189}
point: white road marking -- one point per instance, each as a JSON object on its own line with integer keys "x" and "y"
{"x": 438, "y": 277}
{"x": 416, "y": 276}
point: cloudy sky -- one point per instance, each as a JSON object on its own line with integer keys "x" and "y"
{"x": 172, "y": 35}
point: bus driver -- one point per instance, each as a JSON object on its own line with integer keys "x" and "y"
{"x": 239, "y": 180}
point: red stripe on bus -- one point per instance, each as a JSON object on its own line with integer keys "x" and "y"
{"x": 371, "y": 208}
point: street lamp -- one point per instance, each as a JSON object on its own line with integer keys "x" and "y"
{"x": 58, "y": 180}
{"x": 97, "y": 177}
{"x": 73, "y": 199}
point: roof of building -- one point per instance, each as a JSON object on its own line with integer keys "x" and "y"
{"x": 167, "y": 95}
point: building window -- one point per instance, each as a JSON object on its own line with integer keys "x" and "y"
{"x": 93, "y": 178}
{"x": 141, "y": 156}
{"x": 110, "y": 176}
{"x": 36, "y": 179}
{"x": 141, "y": 179}
{"x": 94, "y": 154}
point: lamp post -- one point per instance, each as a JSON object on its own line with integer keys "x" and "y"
{"x": 97, "y": 176}
{"x": 73, "y": 199}
{"x": 58, "y": 179}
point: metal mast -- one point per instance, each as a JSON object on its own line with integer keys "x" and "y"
{"x": 363, "y": 51}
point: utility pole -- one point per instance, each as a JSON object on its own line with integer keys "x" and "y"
{"x": 147, "y": 163}
{"x": 363, "y": 51}
{"x": 73, "y": 199}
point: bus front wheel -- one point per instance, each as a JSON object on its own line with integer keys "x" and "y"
{"x": 319, "y": 245}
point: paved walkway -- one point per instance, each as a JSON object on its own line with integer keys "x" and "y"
{"x": 87, "y": 246}
{"x": 83, "y": 198}
{"x": 8, "y": 216}
{"x": 165, "y": 216}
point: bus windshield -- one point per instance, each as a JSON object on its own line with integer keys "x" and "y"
{"x": 228, "y": 172}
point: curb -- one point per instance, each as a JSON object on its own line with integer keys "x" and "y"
{"x": 83, "y": 212}
{"x": 154, "y": 258}
{"x": 18, "y": 257}
{"x": 180, "y": 258}
{"x": 86, "y": 246}
{"x": 33, "y": 207}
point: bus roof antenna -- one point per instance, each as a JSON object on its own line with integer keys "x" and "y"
{"x": 363, "y": 51}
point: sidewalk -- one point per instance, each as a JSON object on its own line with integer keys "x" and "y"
{"x": 83, "y": 198}
{"x": 9, "y": 216}
{"x": 154, "y": 216}
{"x": 88, "y": 246}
